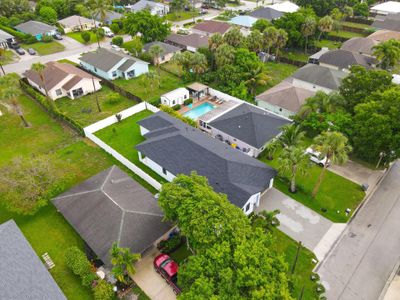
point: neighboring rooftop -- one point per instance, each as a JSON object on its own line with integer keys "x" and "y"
{"x": 253, "y": 125}
{"x": 55, "y": 72}
{"x": 106, "y": 59}
{"x": 175, "y": 93}
{"x": 180, "y": 148}
{"x": 34, "y": 27}
{"x": 286, "y": 95}
{"x": 389, "y": 7}
{"x": 168, "y": 48}
{"x": 73, "y": 21}
{"x": 142, "y": 4}
{"x": 384, "y": 35}
{"x": 211, "y": 26}
{"x": 192, "y": 40}
{"x": 110, "y": 16}
{"x": 319, "y": 75}
{"x": 286, "y": 7}
{"x": 243, "y": 21}
{"x": 4, "y": 36}
{"x": 22, "y": 273}
{"x": 267, "y": 13}
{"x": 360, "y": 45}
{"x": 317, "y": 55}
{"x": 345, "y": 59}
{"x": 111, "y": 207}
{"x": 388, "y": 22}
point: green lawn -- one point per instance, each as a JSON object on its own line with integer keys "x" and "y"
{"x": 355, "y": 25}
{"x": 84, "y": 109}
{"x": 67, "y": 61}
{"x": 124, "y": 136}
{"x": 173, "y": 67}
{"x": 278, "y": 72}
{"x": 328, "y": 43}
{"x": 297, "y": 55}
{"x": 77, "y": 36}
{"x": 181, "y": 15}
{"x": 336, "y": 193}
{"x": 45, "y": 48}
{"x": 346, "y": 34}
{"x": 138, "y": 86}
{"x": 8, "y": 57}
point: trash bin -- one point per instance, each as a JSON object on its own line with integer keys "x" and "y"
{"x": 364, "y": 187}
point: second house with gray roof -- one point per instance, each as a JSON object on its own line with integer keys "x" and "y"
{"x": 110, "y": 64}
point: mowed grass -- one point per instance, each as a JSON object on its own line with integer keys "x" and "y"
{"x": 277, "y": 72}
{"x": 8, "y": 57}
{"x": 77, "y": 37}
{"x": 124, "y": 136}
{"x": 335, "y": 194}
{"x": 355, "y": 25}
{"x": 181, "y": 15}
{"x": 346, "y": 34}
{"x": 140, "y": 86}
{"x": 84, "y": 109}
{"x": 45, "y": 48}
{"x": 328, "y": 44}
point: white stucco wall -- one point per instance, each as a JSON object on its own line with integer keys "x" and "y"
{"x": 275, "y": 109}
{"x": 156, "y": 167}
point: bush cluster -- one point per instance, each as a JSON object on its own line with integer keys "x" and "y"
{"x": 177, "y": 115}
{"x": 188, "y": 101}
{"x": 168, "y": 246}
{"x": 80, "y": 265}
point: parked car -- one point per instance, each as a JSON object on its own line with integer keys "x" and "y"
{"x": 168, "y": 268}
{"x": 316, "y": 157}
{"x": 57, "y": 36}
{"x": 107, "y": 32}
{"x": 115, "y": 47}
{"x": 20, "y": 51}
{"x": 31, "y": 51}
{"x": 203, "y": 11}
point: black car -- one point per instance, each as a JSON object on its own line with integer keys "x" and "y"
{"x": 31, "y": 51}
{"x": 57, "y": 36}
{"x": 20, "y": 51}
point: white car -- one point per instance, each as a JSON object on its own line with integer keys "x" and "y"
{"x": 115, "y": 47}
{"x": 316, "y": 157}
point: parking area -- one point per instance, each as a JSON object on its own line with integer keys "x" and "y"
{"x": 149, "y": 281}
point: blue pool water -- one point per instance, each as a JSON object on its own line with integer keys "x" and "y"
{"x": 198, "y": 111}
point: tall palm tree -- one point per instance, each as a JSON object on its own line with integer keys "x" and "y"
{"x": 325, "y": 25}
{"x": 10, "y": 94}
{"x": 321, "y": 102}
{"x": 291, "y": 136}
{"x": 99, "y": 9}
{"x": 234, "y": 37}
{"x": 123, "y": 260}
{"x": 334, "y": 146}
{"x": 215, "y": 41}
{"x": 387, "y": 53}
{"x": 257, "y": 77}
{"x": 224, "y": 55}
{"x": 199, "y": 63}
{"x": 293, "y": 160}
{"x": 270, "y": 36}
{"x": 280, "y": 41}
{"x": 307, "y": 29}
{"x": 156, "y": 52}
{"x": 40, "y": 68}
{"x": 255, "y": 41}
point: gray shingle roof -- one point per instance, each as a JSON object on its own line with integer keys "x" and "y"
{"x": 168, "y": 48}
{"x": 321, "y": 76}
{"x": 192, "y": 40}
{"x": 389, "y": 22}
{"x": 250, "y": 124}
{"x": 211, "y": 26}
{"x": 4, "y": 36}
{"x": 110, "y": 16}
{"x": 22, "y": 273}
{"x": 142, "y": 4}
{"x": 180, "y": 148}
{"x": 112, "y": 207}
{"x": 359, "y": 45}
{"x": 75, "y": 20}
{"x": 106, "y": 59}
{"x": 34, "y": 27}
{"x": 267, "y": 13}
{"x": 345, "y": 59}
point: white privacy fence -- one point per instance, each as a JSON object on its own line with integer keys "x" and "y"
{"x": 91, "y": 129}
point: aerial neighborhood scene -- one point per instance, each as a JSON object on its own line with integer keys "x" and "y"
{"x": 203, "y": 149}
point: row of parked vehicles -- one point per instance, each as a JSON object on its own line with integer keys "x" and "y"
{"x": 13, "y": 44}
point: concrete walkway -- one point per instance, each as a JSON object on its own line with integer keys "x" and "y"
{"x": 149, "y": 281}
{"x": 301, "y": 223}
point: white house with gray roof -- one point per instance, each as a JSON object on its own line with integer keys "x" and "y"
{"x": 22, "y": 273}
{"x": 110, "y": 64}
{"x": 37, "y": 29}
{"x": 173, "y": 147}
{"x": 155, "y": 8}
{"x": 168, "y": 51}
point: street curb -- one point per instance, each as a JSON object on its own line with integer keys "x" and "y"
{"x": 389, "y": 281}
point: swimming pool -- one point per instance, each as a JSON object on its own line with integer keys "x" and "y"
{"x": 198, "y": 111}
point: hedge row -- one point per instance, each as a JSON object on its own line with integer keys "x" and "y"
{"x": 52, "y": 110}
{"x": 172, "y": 112}
{"x": 19, "y": 35}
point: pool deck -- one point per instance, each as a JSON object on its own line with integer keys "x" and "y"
{"x": 196, "y": 103}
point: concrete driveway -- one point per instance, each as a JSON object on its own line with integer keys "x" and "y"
{"x": 368, "y": 251}
{"x": 149, "y": 281}
{"x": 301, "y": 223}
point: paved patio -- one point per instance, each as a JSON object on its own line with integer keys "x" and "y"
{"x": 301, "y": 223}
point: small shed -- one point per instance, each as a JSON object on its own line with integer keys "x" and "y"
{"x": 175, "y": 97}
{"x": 197, "y": 90}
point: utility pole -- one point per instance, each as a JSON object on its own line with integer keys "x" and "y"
{"x": 296, "y": 258}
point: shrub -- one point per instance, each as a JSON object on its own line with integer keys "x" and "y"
{"x": 103, "y": 291}
{"x": 188, "y": 101}
{"x": 30, "y": 39}
{"x": 146, "y": 57}
{"x": 47, "y": 39}
{"x": 113, "y": 98}
{"x": 177, "y": 115}
{"x": 118, "y": 40}
{"x": 167, "y": 246}
{"x": 85, "y": 36}
{"x": 79, "y": 264}
{"x": 115, "y": 28}
{"x": 100, "y": 32}
{"x": 176, "y": 107}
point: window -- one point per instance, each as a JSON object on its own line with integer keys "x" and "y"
{"x": 185, "y": 97}
{"x": 173, "y": 102}
{"x": 78, "y": 92}
{"x": 131, "y": 73}
{"x": 247, "y": 208}
{"x": 95, "y": 69}
{"x": 58, "y": 92}
{"x": 114, "y": 73}
{"x": 164, "y": 171}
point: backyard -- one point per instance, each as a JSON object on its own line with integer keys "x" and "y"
{"x": 181, "y": 15}
{"x": 124, "y": 136}
{"x": 278, "y": 72}
{"x": 84, "y": 109}
{"x": 77, "y": 37}
{"x": 328, "y": 44}
{"x": 346, "y": 34}
{"x": 148, "y": 91}
{"x": 45, "y": 48}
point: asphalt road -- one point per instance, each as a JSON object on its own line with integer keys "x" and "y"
{"x": 369, "y": 249}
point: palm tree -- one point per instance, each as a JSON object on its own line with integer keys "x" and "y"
{"x": 270, "y": 36}
{"x": 198, "y": 63}
{"x": 215, "y": 41}
{"x": 234, "y": 37}
{"x": 321, "y": 102}
{"x": 334, "y": 146}
{"x": 99, "y": 9}
{"x": 123, "y": 261}
{"x": 257, "y": 77}
{"x": 156, "y": 52}
{"x": 255, "y": 41}
{"x": 11, "y": 94}
{"x": 280, "y": 41}
{"x": 224, "y": 55}
{"x": 325, "y": 25}
{"x": 271, "y": 149}
{"x": 266, "y": 220}
{"x": 2, "y": 57}
{"x": 387, "y": 53}
{"x": 40, "y": 68}
{"x": 293, "y": 160}
{"x": 291, "y": 136}
{"x": 307, "y": 29}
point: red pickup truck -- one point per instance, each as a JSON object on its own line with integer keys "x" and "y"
{"x": 168, "y": 268}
